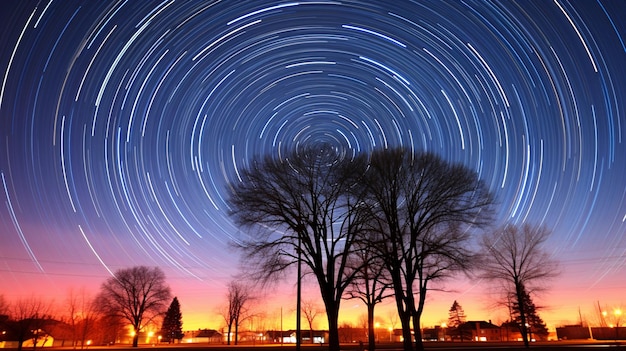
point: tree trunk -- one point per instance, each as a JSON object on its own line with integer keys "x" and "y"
{"x": 136, "y": 339}
{"x": 522, "y": 312}
{"x": 407, "y": 338}
{"x": 371, "y": 336}
{"x": 405, "y": 319}
{"x": 230, "y": 328}
{"x": 417, "y": 316}
{"x": 419, "y": 344}
{"x": 403, "y": 309}
{"x": 333, "y": 327}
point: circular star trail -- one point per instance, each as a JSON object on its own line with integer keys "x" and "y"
{"x": 123, "y": 122}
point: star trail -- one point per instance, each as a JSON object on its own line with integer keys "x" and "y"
{"x": 123, "y": 122}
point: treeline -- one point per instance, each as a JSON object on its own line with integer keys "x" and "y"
{"x": 390, "y": 223}
{"x": 137, "y": 296}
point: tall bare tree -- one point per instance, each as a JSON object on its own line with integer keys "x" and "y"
{"x": 311, "y": 311}
{"x": 303, "y": 212}
{"x": 237, "y": 309}
{"x": 82, "y": 316}
{"x": 425, "y": 209}
{"x": 137, "y": 295}
{"x": 514, "y": 255}
{"x": 371, "y": 285}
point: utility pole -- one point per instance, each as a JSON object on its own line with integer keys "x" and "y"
{"x": 299, "y": 293}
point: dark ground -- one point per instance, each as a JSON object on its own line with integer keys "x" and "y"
{"x": 442, "y": 346}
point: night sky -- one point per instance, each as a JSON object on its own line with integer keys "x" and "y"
{"x": 122, "y": 122}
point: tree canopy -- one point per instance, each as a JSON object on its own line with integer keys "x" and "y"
{"x": 414, "y": 211}
{"x": 513, "y": 255}
{"x": 423, "y": 210}
{"x": 137, "y": 295}
{"x": 302, "y": 208}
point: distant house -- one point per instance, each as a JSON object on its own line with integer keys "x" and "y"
{"x": 289, "y": 336}
{"x": 433, "y": 334}
{"x": 481, "y": 331}
{"x": 578, "y": 332}
{"x": 278, "y": 336}
{"x": 314, "y": 336}
{"x": 608, "y": 333}
{"x": 35, "y": 333}
{"x": 510, "y": 331}
{"x": 396, "y": 335}
{"x": 349, "y": 334}
{"x": 203, "y": 336}
{"x": 573, "y": 332}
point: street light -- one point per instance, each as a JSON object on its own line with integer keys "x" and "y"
{"x": 618, "y": 314}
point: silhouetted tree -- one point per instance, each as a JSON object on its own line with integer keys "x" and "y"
{"x": 82, "y": 316}
{"x": 456, "y": 318}
{"x": 304, "y": 211}
{"x": 371, "y": 285}
{"x": 172, "y": 327}
{"x": 535, "y": 325}
{"x": 514, "y": 255}
{"x": 4, "y": 306}
{"x": 28, "y": 320}
{"x": 425, "y": 209}
{"x": 237, "y": 309}
{"x": 137, "y": 295}
{"x": 108, "y": 328}
{"x": 311, "y": 311}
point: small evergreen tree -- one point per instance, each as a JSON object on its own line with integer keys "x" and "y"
{"x": 535, "y": 325}
{"x": 172, "y": 328}
{"x": 456, "y": 318}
